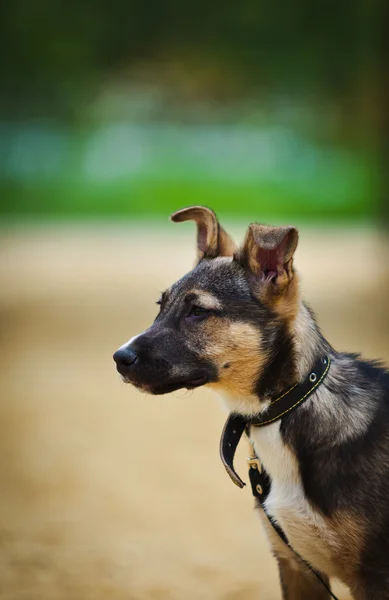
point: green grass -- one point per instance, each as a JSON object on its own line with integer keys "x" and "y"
{"x": 145, "y": 198}
{"x": 305, "y": 181}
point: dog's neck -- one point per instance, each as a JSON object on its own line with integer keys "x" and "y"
{"x": 309, "y": 343}
{"x": 290, "y": 362}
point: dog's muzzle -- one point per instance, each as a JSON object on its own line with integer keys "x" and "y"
{"x": 157, "y": 363}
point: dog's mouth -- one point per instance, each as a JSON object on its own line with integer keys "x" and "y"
{"x": 156, "y": 388}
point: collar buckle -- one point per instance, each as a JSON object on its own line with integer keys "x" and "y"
{"x": 254, "y": 463}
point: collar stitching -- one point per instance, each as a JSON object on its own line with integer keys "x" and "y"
{"x": 298, "y": 401}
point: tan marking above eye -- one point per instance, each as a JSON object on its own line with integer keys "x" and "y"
{"x": 205, "y": 299}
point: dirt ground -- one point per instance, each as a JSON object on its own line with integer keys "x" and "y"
{"x": 107, "y": 493}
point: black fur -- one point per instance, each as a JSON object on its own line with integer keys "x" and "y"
{"x": 280, "y": 368}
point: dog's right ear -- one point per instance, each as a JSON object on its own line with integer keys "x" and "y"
{"x": 212, "y": 240}
{"x": 267, "y": 254}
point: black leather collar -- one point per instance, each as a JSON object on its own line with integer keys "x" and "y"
{"x": 288, "y": 401}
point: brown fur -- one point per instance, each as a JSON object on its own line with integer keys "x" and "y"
{"x": 273, "y": 247}
{"x": 236, "y": 350}
{"x": 262, "y": 239}
{"x": 349, "y": 532}
{"x": 212, "y": 240}
{"x": 345, "y": 534}
{"x": 297, "y": 581}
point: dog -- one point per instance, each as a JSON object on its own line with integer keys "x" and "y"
{"x": 236, "y": 323}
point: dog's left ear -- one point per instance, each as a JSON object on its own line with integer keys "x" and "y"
{"x": 212, "y": 240}
{"x": 267, "y": 253}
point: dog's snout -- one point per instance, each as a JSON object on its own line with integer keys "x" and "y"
{"x": 124, "y": 359}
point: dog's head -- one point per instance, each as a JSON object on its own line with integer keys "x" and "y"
{"x": 227, "y": 320}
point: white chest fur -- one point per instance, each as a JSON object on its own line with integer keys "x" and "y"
{"x": 305, "y": 528}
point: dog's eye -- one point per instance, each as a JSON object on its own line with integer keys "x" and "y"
{"x": 197, "y": 313}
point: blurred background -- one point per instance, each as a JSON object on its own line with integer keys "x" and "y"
{"x": 113, "y": 115}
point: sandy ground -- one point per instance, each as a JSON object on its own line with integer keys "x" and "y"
{"x": 107, "y": 493}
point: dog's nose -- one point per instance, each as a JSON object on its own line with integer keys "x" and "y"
{"x": 124, "y": 359}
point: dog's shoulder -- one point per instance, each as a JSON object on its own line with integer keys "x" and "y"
{"x": 341, "y": 438}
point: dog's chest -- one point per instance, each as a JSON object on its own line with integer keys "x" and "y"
{"x": 306, "y": 529}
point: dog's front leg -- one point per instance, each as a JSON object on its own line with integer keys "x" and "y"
{"x": 297, "y": 581}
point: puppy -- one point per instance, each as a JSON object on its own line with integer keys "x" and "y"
{"x": 237, "y": 323}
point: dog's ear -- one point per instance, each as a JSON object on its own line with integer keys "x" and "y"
{"x": 267, "y": 253}
{"x": 212, "y": 240}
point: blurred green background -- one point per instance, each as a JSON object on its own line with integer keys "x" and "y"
{"x": 127, "y": 109}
